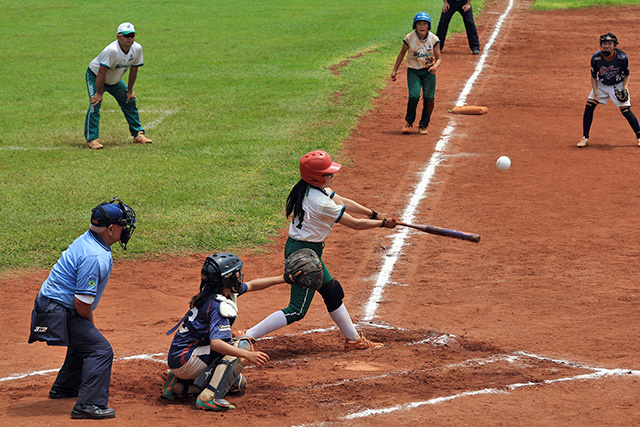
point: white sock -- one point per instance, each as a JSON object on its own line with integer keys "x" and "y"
{"x": 275, "y": 320}
{"x": 341, "y": 316}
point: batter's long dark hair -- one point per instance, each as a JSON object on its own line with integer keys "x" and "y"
{"x": 295, "y": 199}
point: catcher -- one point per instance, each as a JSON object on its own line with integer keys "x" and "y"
{"x": 204, "y": 357}
{"x": 609, "y": 80}
{"x": 316, "y": 209}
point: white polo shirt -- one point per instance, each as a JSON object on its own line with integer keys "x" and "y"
{"x": 118, "y": 62}
{"x": 320, "y": 214}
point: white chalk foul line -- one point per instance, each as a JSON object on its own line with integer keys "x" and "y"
{"x": 600, "y": 372}
{"x": 151, "y": 357}
{"x": 391, "y": 257}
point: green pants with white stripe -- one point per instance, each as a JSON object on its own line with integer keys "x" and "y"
{"x": 119, "y": 92}
{"x": 300, "y": 298}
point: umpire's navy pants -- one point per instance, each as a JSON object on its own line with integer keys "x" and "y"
{"x": 87, "y": 367}
{"x": 467, "y": 18}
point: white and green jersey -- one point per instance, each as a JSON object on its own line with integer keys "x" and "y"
{"x": 117, "y": 61}
{"x": 420, "y": 53}
{"x": 320, "y": 214}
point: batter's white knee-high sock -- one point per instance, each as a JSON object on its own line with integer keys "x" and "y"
{"x": 341, "y": 316}
{"x": 275, "y": 320}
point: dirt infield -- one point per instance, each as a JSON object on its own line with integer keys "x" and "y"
{"x": 538, "y": 324}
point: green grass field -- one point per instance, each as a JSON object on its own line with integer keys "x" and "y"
{"x": 232, "y": 94}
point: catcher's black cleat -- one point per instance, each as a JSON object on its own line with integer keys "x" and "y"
{"x": 62, "y": 394}
{"x": 91, "y": 412}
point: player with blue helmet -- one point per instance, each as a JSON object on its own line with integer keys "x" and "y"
{"x": 422, "y": 49}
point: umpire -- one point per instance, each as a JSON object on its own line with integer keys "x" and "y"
{"x": 463, "y": 7}
{"x": 63, "y": 311}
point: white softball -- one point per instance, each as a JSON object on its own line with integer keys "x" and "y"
{"x": 503, "y": 163}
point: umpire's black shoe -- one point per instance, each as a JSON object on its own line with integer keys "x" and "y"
{"x": 91, "y": 412}
{"x": 62, "y": 394}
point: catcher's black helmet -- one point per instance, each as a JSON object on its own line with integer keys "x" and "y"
{"x": 220, "y": 270}
{"x": 609, "y": 37}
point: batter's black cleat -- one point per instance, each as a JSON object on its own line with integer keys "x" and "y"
{"x": 62, "y": 394}
{"x": 91, "y": 412}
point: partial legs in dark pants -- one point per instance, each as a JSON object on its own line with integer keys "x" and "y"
{"x": 469, "y": 25}
{"x": 87, "y": 367}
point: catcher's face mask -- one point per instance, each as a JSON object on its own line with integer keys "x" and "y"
{"x": 234, "y": 281}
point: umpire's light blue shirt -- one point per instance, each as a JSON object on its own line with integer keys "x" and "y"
{"x": 83, "y": 269}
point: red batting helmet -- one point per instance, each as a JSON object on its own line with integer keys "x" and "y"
{"x": 315, "y": 164}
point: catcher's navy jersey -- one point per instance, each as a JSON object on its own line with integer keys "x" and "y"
{"x": 199, "y": 326}
{"x": 610, "y": 72}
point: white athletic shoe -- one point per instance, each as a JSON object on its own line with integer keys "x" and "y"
{"x": 584, "y": 142}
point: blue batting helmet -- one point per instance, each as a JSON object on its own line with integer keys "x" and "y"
{"x": 421, "y": 16}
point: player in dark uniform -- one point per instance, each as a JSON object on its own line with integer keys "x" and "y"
{"x": 204, "y": 358}
{"x": 609, "y": 72}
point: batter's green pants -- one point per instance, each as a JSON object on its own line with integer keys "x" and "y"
{"x": 425, "y": 82}
{"x": 300, "y": 298}
{"x": 119, "y": 92}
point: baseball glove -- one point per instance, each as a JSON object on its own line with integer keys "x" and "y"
{"x": 622, "y": 95}
{"x": 303, "y": 268}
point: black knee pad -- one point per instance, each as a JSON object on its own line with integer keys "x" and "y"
{"x": 333, "y": 294}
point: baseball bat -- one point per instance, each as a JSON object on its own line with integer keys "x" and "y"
{"x": 431, "y": 229}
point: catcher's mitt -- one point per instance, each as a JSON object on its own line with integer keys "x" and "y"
{"x": 303, "y": 268}
{"x": 622, "y": 95}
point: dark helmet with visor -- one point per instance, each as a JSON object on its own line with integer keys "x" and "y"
{"x": 222, "y": 270}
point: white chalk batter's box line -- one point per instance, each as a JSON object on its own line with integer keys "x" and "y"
{"x": 435, "y": 340}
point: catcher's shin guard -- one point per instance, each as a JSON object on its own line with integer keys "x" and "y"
{"x": 224, "y": 377}
{"x": 238, "y": 388}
